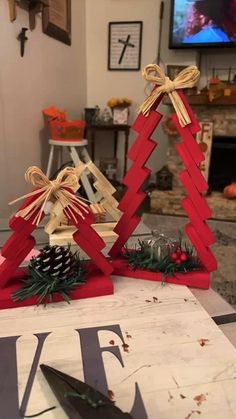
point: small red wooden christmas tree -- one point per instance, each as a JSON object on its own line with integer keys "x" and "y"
{"x": 192, "y": 179}
{"x": 26, "y": 220}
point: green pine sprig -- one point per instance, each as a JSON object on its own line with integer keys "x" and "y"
{"x": 44, "y": 287}
{"x": 140, "y": 258}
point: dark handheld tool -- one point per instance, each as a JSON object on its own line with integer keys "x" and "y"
{"x": 79, "y": 400}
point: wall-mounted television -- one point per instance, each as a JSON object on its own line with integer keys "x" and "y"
{"x": 202, "y": 23}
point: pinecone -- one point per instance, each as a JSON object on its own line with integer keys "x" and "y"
{"x": 55, "y": 270}
{"x": 57, "y": 262}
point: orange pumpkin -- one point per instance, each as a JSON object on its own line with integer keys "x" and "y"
{"x": 230, "y": 191}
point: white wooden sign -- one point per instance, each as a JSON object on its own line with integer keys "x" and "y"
{"x": 204, "y": 139}
{"x": 168, "y": 350}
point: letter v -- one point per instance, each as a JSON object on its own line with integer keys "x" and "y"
{"x": 9, "y": 396}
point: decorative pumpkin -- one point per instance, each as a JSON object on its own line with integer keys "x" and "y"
{"x": 230, "y": 191}
{"x": 203, "y": 146}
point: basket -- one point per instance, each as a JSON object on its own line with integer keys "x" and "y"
{"x": 52, "y": 114}
{"x": 67, "y": 130}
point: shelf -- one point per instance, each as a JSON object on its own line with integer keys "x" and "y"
{"x": 202, "y": 99}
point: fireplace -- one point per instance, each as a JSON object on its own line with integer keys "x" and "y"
{"x": 221, "y": 165}
{"x": 223, "y": 162}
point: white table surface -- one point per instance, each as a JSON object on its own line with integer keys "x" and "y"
{"x": 165, "y": 357}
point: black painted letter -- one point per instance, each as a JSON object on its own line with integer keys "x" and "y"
{"x": 9, "y": 397}
{"x": 94, "y": 371}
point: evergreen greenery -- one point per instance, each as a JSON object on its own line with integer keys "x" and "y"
{"x": 55, "y": 270}
{"x": 141, "y": 258}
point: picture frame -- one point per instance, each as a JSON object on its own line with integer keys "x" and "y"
{"x": 120, "y": 115}
{"x": 172, "y": 70}
{"x": 56, "y": 20}
{"x": 124, "y": 45}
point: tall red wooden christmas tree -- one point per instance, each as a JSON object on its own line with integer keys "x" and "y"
{"x": 191, "y": 177}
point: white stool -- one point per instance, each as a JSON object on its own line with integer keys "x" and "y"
{"x": 78, "y": 157}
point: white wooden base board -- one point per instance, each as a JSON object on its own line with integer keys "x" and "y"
{"x": 180, "y": 375}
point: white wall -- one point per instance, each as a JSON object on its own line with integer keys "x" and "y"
{"x": 49, "y": 73}
{"x": 103, "y": 84}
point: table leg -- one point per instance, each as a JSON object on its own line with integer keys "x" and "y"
{"x": 60, "y": 159}
{"x": 115, "y": 143}
{"x": 50, "y": 160}
{"x": 93, "y": 146}
{"x": 85, "y": 155}
{"x": 126, "y": 150}
{"x": 74, "y": 156}
{"x": 84, "y": 180}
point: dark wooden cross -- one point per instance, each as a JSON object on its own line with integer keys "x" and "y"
{"x": 126, "y": 44}
{"x": 22, "y": 38}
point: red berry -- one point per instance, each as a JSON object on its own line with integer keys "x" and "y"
{"x": 178, "y": 251}
{"x": 174, "y": 256}
{"x": 178, "y": 261}
{"x": 184, "y": 257}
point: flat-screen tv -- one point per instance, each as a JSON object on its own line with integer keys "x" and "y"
{"x": 202, "y": 23}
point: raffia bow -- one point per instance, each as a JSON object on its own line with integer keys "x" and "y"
{"x": 187, "y": 78}
{"x": 59, "y": 189}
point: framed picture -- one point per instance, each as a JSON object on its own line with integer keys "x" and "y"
{"x": 125, "y": 45}
{"x": 120, "y": 115}
{"x": 57, "y": 20}
{"x": 173, "y": 70}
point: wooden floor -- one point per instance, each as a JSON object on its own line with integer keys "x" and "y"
{"x": 184, "y": 365}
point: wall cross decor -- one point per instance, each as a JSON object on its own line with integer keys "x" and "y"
{"x": 22, "y": 38}
{"x": 125, "y": 41}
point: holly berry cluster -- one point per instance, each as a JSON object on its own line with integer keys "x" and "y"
{"x": 182, "y": 259}
{"x": 178, "y": 256}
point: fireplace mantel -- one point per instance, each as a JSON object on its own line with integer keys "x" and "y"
{"x": 202, "y": 100}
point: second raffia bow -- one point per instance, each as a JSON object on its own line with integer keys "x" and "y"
{"x": 61, "y": 189}
{"x": 187, "y": 78}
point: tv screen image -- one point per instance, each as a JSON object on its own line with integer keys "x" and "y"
{"x": 203, "y": 23}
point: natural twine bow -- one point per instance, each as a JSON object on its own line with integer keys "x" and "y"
{"x": 185, "y": 79}
{"x": 59, "y": 189}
